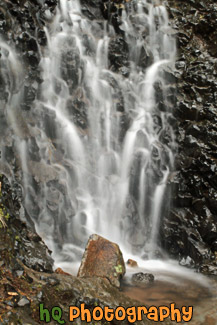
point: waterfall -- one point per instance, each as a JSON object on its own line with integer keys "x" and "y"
{"x": 102, "y": 163}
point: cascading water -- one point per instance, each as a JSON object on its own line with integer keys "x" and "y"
{"x": 102, "y": 163}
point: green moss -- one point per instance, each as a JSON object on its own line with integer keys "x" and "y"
{"x": 7, "y": 216}
{"x": 4, "y": 216}
{"x": 17, "y": 238}
{"x": 119, "y": 268}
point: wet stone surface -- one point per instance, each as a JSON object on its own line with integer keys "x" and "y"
{"x": 190, "y": 230}
{"x": 142, "y": 278}
{"x": 18, "y": 242}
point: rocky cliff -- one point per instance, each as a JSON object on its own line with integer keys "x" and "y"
{"x": 191, "y": 230}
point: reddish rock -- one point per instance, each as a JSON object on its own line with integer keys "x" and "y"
{"x": 60, "y": 271}
{"x": 102, "y": 258}
{"x": 132, "y": 263}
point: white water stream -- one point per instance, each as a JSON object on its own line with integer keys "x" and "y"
{"x": 108, "y": 175}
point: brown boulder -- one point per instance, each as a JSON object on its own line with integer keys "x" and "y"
{"x": 102, "y": 258}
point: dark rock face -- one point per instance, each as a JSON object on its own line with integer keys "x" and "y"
{"x": 19, "y": 242}
{"x": 191, "y": 229}
{"x": 22, "y": 26}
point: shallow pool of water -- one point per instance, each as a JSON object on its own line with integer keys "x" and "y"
{"x": 175, "y": 284}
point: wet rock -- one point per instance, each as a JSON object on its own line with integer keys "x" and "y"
{"x": 17, "y": 269}
{"x": 145, "y": 58}
{"x": 23, "y": 302}
{"x": 42, "y": 172}
{"x": 32, "y": 59}
{"x": 9, "y": 303}
{"x": 112, "y": 11}
{"x": 188, "y": 262}
{"x": 18, "y": 241}
{"x": 52, "y": 281}
{"x": 41, "y": 37}
{"x": 118, "y": 54}
{"x": 77, "y": 108}
{"x": 32, "y": 236}
{"x": 189, "y": 231}
{"x": 209, "y": 269}
{"x": 40, "y": 295}
{"x": 71, "y": 66}
{"x": 29, "y": 96}
{"x": 142, "y": 278}
{"x": 102, "y": 258}
{"x": 49, "y": 122}
{"x": 92, "y": 9}
{"x": 134, "y": 231}
{"x": 132, "y": 263}
{"x": 182, "y": 237}
{"x": 60, "y": 271}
